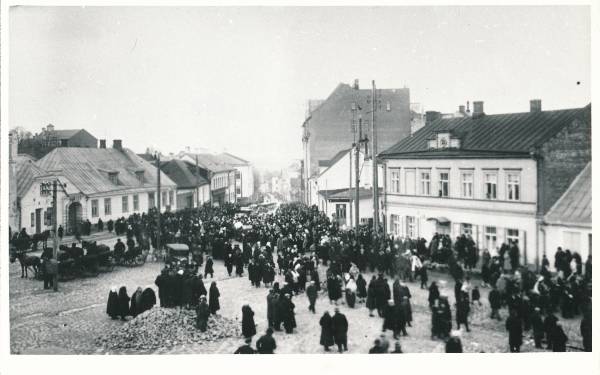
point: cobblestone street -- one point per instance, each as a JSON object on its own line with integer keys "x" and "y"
{"x": 67, "y": 322}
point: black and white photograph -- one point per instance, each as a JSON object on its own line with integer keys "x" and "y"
{"x": 325, "y": 180}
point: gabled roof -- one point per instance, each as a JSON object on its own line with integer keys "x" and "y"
{"x": 183, "y": 174}
{"x": 574, "y": 207}
{"x": 66, "y": 133}
{"x": 211, "y": 162}
{"x": 88, "y": 168}
{"x": 330, "y": 163}
{"x": 26, "y": 171}
{"x": 489, "y": 135}
{"x": 232, "y": 159}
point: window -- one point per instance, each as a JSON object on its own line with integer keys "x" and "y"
{"x": 340, "y": 213}
{"x": 410, "y": 181}
{"x": 125, "y": 203}
{"x": 425, "y": 184}
{"x": 107, "y": 208}
{"x": 491, "y": 182}
{"x": 48, "y": 217}
{"x": 513, "y": 182}
{"x": 466, "y": 229}
{"x": 151, "y": 203}
{"x": 112, "y": 176}
{"x": 32, "y": 220}
{"x": 411, "y": 227}
{"x": 467, "y": 184}
{"x": 389, "y": 106}
{"x": 94, "y": 207}
{"x": 45, "y": 188}
{"x": 136, "y": 202}
{"x": 444, "y": 184}
{"x": 140, "y": 176}
{"x": 490, "y": 238}
{"x": 396, "y": 224}
{"x": 395, "y": 180}
{"x": 512, "y": 236}
{"x": 571, "y": 241}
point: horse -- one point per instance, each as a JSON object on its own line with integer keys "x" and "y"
{"x": 43, "y": 237}
{"x": 26, "y": 262}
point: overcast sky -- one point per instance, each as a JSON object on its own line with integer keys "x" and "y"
{"x": 239, "y": 78}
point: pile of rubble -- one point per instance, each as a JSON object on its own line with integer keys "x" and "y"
{"x": 161, "y": 327}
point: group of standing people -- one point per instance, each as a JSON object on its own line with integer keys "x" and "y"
{"x": 120, "y": 305}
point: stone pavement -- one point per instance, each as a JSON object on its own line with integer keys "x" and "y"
{"x": 68, "y": 321}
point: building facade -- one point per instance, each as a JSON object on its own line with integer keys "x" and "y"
{"x": 493, "y": 177}
{"x": 330, "y": 124}
{"x": 193, "y": 189}
{"x": 92, "y": 184}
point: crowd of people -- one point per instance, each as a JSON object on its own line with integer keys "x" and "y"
{"x": 296, "y": 241}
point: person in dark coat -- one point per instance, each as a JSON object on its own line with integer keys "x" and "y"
{"x": 406, "y": 313}
{"x": 559, "y": 339}
{"x": 248, "y": 326}
{"x": 213, "y": 298}
{"x": 246, "y": 348}
{"x": 377, "y": 348}
{"x": 208, "y": 268}
{"x": 311, "y": 293}
{"x": 462, "y": 310}
{"x": 371, "y": 296}
{"x": 287, "y": 308}
{"x": 271, "y": 308}
{"x": 339, "y": 324}
{"x": 161, "y": 283}
{"x": 434, "y": 294}
{"x": 266, "y": 344}
{"x": 423, "y": 277}
{"x": 326, "y": 331}
{"x": 549, "y": 324}
{"x": 391, "y": 319}
{"x": 495, "y": 299}
{"x": 148, "y": 300}
{"x": 454, "y": 345}
{"x": 186, "y": 291}
{"x": 123, "y": 303}
{"x": 514, "y": 327}
{"x": 239, "y": 264}
{"x": 361, "y": 288}
{"x": 475, "y": 295}
{"x": 585, "y": 328}
{"x": 229, "y": 261}
{"x": 202, "y": 314}
{"x": 136, "y": 301}
{"x": 538, "y": 327}
{"x": 112, "y": 305}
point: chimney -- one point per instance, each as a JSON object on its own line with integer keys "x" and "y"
{"x": 431, "y": 116}
{"x": 355, "y": 86}
{"x": 103, "y": 143}
{"x": 461, "y": 109}
{"x": 117, "y": 144}
{"x": 535, "y": 105}
{"x": 468, "y": 108}
{"x": 50, "y": 128}
{"x": 13, "y": 146}
{"x": 478, "y": 109}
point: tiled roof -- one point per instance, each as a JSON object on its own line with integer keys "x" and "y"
{"x": 575, "y": 205}
{"x": 182, "y": 173}
{"x": 489, "y": 135}
{"x": 89, "y": 168}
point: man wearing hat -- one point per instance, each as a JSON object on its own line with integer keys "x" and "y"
{"x": 340, "y": 330}
{"x": 246, "y": 348}
{"x": 266, "y": 343}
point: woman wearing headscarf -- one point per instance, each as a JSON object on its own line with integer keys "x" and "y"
{"x": 350, "y": 292}
{"x": 248, "y": 326}
{"x": 371, "y": 293}
{"x": 213, "y": 298}
{"x": 112, "y": 305}
{"x": 148, "y": 299}
{"x": 361, "y": 288}
{"x": 136, "y": 302}
{"x": 123, "y": 303}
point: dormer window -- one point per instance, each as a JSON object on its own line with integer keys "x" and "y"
{"x": 114, "y": 177}
{"x": 443, "y": 140}
{"x": 140, "y": 176}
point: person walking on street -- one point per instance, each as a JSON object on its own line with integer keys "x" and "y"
{"x": 326, "y": 331}
{"x": 515, "y": 332}
{"x": 340, "y": 330}
{"x": 311, "y": 293}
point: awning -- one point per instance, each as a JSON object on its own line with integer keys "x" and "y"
{"x": 440, "y": 220}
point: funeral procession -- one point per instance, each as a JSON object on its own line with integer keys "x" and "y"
{"x": 211, "y": 180}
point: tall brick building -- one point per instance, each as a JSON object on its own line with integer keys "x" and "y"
{"x": 493, "y": 177}
{"x": 327, "y": 128}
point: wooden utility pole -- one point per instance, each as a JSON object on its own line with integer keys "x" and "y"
{"x": 158, "y": 201}
{"x": 55, "y": 231}
{"x": 197, "y": 185}
{"x": 374, "y": 162}
{"x": 357, "y": 177}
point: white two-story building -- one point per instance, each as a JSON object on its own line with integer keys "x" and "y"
{"x": 491, "y": 176}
